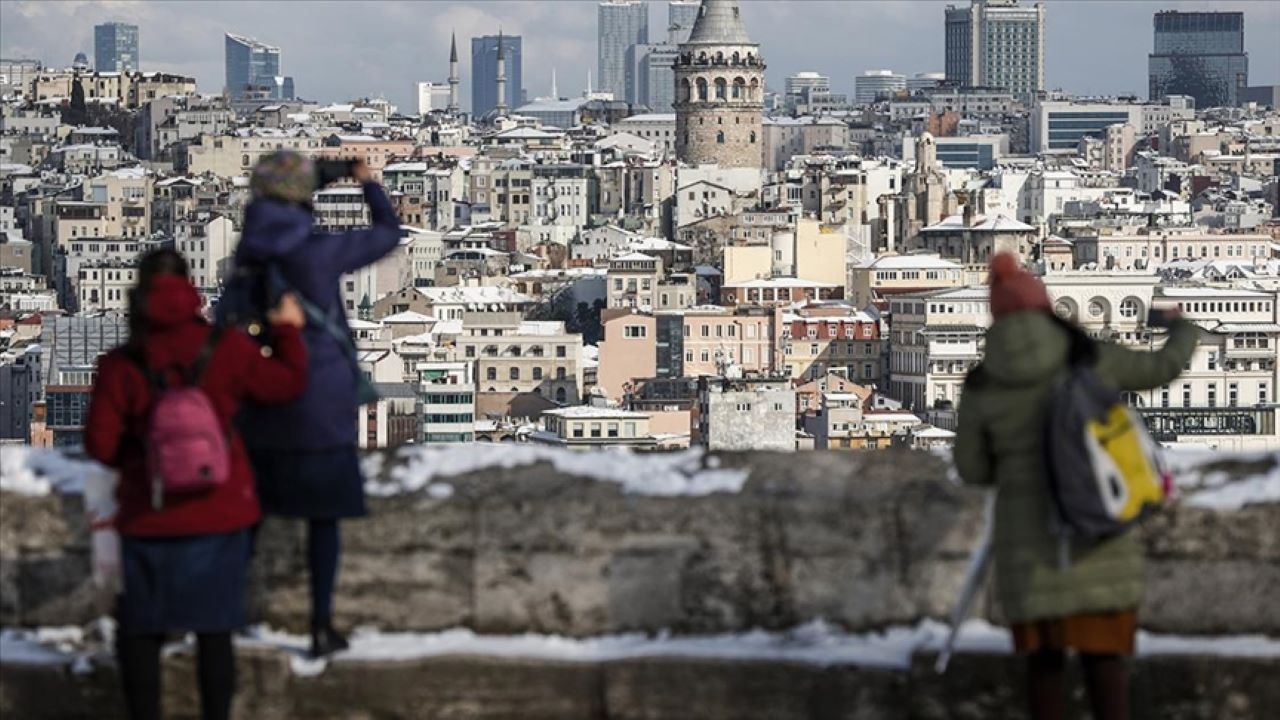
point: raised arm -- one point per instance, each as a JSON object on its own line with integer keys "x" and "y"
{"x": 1128, "y": 369}
{"x": 277, "y": 378}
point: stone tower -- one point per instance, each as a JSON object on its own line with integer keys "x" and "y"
{"x": 719, "y": 91}
{"x": 455, "y": 80}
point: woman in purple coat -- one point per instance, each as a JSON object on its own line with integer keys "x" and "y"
{"x": 304, "y": 453}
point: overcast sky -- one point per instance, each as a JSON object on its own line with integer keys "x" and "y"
{"x": 343, "y": 50}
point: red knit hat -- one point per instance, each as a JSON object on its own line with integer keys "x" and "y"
{"x": 1013, "y": 289}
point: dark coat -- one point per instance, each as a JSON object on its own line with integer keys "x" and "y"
{"x": 122, "y": 400}
{"x": 998, "y": 442}
{"x": 313, "y": 263}
{"x": 314, "y": 438}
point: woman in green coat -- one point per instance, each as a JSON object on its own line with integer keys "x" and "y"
{"x": 1090, "y": 605}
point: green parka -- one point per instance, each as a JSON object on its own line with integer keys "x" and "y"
{"x": 998, "y": 442}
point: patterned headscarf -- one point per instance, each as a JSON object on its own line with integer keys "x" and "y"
{"x": 284, "y": 175}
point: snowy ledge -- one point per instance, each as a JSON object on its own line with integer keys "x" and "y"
{"x": 817, "y": 643}
{"x": 1206, "y": 479}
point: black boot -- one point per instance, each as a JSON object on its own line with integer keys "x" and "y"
{"x": 326, "y": 641}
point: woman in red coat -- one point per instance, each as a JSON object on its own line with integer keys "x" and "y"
{"x": 185, "y": 560}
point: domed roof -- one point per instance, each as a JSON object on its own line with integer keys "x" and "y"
{"x": 719, "y": 23}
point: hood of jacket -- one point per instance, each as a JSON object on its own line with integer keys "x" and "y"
{"x": 1025, "y": 348}
{"x": 273, "y": 229}
{"x": 172, "y": 301}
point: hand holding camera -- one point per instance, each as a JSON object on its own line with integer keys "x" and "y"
{"x": 1163, "y": 317}
{"x": 329, "y": 171}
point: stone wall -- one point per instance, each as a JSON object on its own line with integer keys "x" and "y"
{"x": 862, "y": 540}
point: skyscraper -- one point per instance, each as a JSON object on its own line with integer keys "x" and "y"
{"x": 1200, "y": 54}
{"x": 873, "y": 85}
{"x": 115, "y": 47}
{"x": 681, "y": 14}
{"x": 620, "y": 24}
{"x": 720, "y": 91}
{"x": 484, "y": 72}
{"x": 996, "y": 43}
{"x": 253, "y": 69}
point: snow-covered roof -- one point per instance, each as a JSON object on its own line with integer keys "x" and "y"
{"x": 633, "y": 257}
{"x": 483, "y": 295}
{"x": 981, "y": 223}
{"x": 780, "y": 282}
{"x": 912, "y": 262}
{"x": 408, "y": 316}
{"x": 587, "y": 411}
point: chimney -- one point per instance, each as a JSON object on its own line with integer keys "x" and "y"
{"x": 968, "y": 213}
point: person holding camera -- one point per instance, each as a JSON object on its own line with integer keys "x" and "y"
{"x": 304, "y": 453}
{"x": 1085, "y": 600}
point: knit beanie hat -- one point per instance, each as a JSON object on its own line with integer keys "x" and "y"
{"x": 1013, "y": 289}
{"x": 284, "y": 175}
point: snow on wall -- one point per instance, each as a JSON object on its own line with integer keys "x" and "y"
{"x": 36, "y": 471}
{"x": 815, "y": 643}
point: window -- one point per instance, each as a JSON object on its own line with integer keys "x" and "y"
{"x": 514, "y": 373}
{"x": 634, "y": 331}
{"x": 1262, "y": 393}
{"x": 1213, "y": 395}
{"x": 1130, "y": 308}
{"x": 1164, "y": 397}
{"x": 595, "y": 430}
{"x": 1213, "y": 360}
{"x": 537, "y": 373}
{"x": 491, "y": 373}
{"x": 720, "y": 137}
{"x": 560, "y": 351}
{"x": 1186, "y": 395}
{"x": 1233, "y": 394}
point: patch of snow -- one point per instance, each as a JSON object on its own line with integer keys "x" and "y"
{"x": 666, "y": 475}
{"x": 20, "y": 647}
{"x": 440, "y": 491}
{"x": 1234, "y": 495}
{"x": 39, "y": 471}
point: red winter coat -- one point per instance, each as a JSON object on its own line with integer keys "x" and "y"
{"x": 121, "y": 402}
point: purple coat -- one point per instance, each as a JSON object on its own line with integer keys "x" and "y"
{"x": 313, "y": 263}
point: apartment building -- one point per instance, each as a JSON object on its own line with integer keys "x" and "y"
{"x": 936, "y": 337}
{"x": 890, "y": 275}
{"x": 447, "y": 399}
{"x": 512, "y": 355}
{"x": 825, "y": 338}
{"x": 1159, "y": 246}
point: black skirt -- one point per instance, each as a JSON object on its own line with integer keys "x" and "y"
{"x": 312, "y": 484}
{"x": 183, "y": 584}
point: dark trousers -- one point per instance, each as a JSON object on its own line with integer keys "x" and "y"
{"x": 139, "y": 658}
{"x": 1107, "y": 678}
{"x": 323, "y": 545}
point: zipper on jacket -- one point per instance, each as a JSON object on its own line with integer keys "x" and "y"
{"x": 157, "y": 493}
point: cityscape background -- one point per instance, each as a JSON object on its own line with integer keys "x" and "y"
{"x": 1092, "y": 46}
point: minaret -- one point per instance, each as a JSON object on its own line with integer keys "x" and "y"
{"x": 555, "y": 92}
{"x": 454, "y": 79}
{"x": 500, "y": 110}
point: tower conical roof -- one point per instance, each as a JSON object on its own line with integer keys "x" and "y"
{"x": 719, "y": 22}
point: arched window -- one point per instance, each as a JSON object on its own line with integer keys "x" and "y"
{"x": 720, "y": 137}
{"x": 702, "y": 58}
{"x": 719, "y": 58}
{"x": 721, "y": 89}
{"x": 1130, "y": 308}
{"x": 737, "y": 57}
{"x": 702, "y": 89}
{"x": 515, "y": 373}
{"x": 753, "y": 137}
{"x": 561, "y": 395}
{"x": 739, "y": 88}
{"x": 755, "y": 89}
{"x": 685, "y": 90}
{"x": 244, "y": 160}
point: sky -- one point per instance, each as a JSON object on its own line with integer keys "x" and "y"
{"x": 342, "y": 50}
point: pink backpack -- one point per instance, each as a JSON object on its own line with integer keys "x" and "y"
{"x": 187, "y": 450}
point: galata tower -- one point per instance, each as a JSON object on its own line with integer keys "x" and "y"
{"x": 719, "y": 91}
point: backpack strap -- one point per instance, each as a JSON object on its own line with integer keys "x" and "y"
{"x": 155, "y": 379}
{"x": 196, "y": 372}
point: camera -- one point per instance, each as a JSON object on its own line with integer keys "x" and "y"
{"x": 331, "y": 171}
